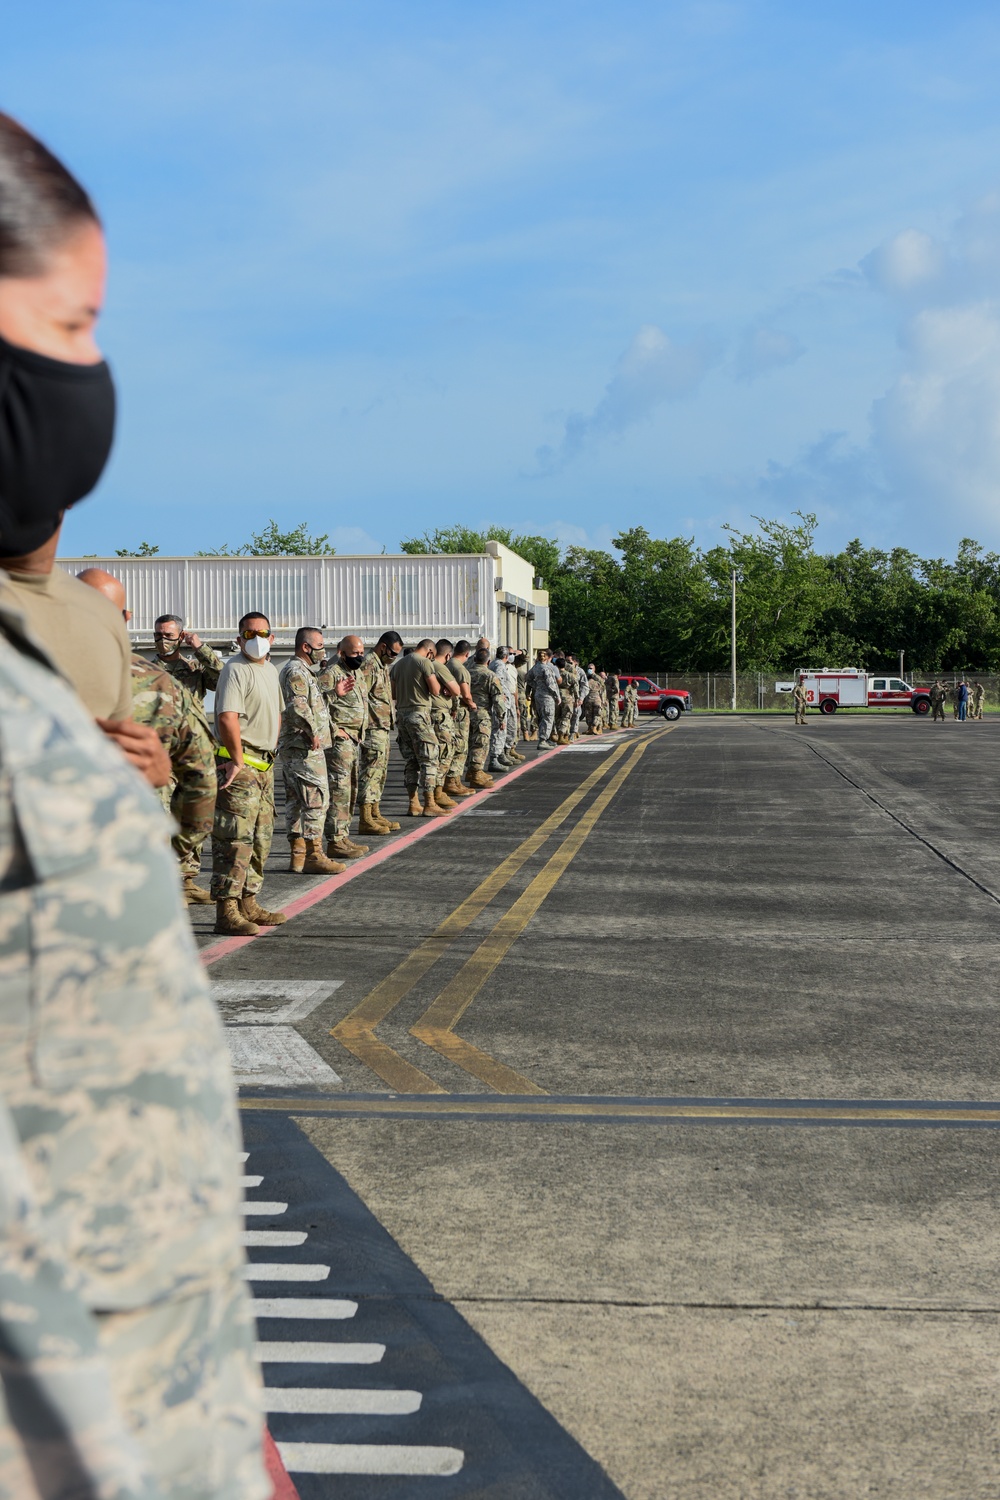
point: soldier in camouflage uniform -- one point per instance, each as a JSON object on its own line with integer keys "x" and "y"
{"x": 567, "y": 700}
{"x": 593, "y": 704}
{"x": 375, "y": 745}
{"x": 487, "y": 695}
{"x": 443, "y": 719}
{"x": 631, "y": 706}
{"x": 612, "y": 690}
{"x": 523, "y": 708}
{"x": 583, "y": 686}
{"x": 463, "y": 707}
{"x": 801, "y": 700}
{"x": 545, "y": 682}
{"x": 198, "y": 673}
{"x": 302, "y": 747}
{"x": 416, "y": 687}
{"x": 347, "y": 699}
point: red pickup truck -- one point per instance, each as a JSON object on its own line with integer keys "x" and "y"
{"x": 670, "y": 702}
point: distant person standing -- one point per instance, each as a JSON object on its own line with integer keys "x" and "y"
{"x": 631, "y": 705}
{"x": 545, "y": 682}
{"x": 937, "y": 697}
{"x": 247, "y": 724}
{"x": 487, "y": 695}
{"x": 416, "y": 686}
{"x": 613, "y": 689}
{"x": 374, "y": 756}
{"x": 978, "y": 700}
{"x": 962, "y": 699}
{"x": 198, "y": 673}
{"x": 302, "y": 746}
{"x": 801, "y": 700}
{"x": 347, "y": 699}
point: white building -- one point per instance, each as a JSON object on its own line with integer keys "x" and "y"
{"x": 489, "y": 593}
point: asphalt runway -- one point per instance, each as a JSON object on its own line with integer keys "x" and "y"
{"x": 667, "y": 1072}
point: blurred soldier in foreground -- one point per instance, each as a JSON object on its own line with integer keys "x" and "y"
{"x": 545, "y": 681}
{"x": 178, "y": 719}
{"x": 346, "y": 695}
{"x": 375, "y": 745}
{"x": 127, "y": 1339}
{"x": 302, "y": 746}
{"x": 486, "y": 697}
{"x": 416, "y": 686}
{"x": 198, "y": 673}
{"x": 801, "y": 701}
{"x": 247, "y": 724}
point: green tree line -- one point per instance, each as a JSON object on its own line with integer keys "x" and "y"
{"x": 665, "y": 604}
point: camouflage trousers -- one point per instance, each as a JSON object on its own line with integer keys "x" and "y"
{"x": 342, "y": 774}
{"x": 418, "y": 745}
{"x": 545, "y": 713}
{"x": 191, "y": 804}
{"x": 614, "y": 715}
{"x": 444, "y": 729}
{"x": 564, "y": 715}
{"x": 593, "y": 712}
{"x": 460, "y": 729}
{"x": 628, "y": 716}
{"x": 307, "y": 793}
{"x": 374, "y": 765}
{"x": 242, "y": 832}
{"x": 524, "y": 715}
{"x": 574, "y": 726}
{"x": 480, "y": 728}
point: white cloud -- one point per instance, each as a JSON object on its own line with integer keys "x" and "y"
{"x": 762, "y": 349}
{"x": 652, "y": 370}
{"x": 907, "y": 263}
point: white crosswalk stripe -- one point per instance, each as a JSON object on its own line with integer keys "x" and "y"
{"x": 329, "y": 1401}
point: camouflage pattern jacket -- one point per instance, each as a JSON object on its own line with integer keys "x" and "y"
{"x": 348, "y": 714}
{"x": 306, "y": 716}
{"x": 486, "y": 690}
{"x": 179, "y": 720}
{"x": 376, "y": 675}
{"x": 199, "y": 674}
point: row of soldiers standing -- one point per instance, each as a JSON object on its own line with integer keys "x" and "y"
{"x": 564, "y": 694}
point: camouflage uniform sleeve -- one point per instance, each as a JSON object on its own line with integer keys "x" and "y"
{"x": 192, "y": 757}
{"x": 211, "y": 666}
{"x": 298, "y": 719}
{"x": 63, "y": 1434}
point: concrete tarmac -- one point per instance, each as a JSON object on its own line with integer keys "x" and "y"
{"x": 714, "y": 1298}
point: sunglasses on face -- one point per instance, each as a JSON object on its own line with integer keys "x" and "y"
{"x": 159, "y": 636}
{"x": 248, "y": 635}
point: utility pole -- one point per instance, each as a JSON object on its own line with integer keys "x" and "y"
{"x": 733, "y": 643}
{"x": 901, "y": 655}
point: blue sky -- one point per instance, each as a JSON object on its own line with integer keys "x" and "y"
{"x": 569, "y": 266}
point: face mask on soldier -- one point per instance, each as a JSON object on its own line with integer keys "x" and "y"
{"x": 353, "y": 661}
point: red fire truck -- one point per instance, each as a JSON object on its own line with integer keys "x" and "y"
{"x": 830, "y": 688}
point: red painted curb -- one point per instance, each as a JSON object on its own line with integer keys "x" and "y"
{"x": 284, "y": 1489}
{"x": 215, "y": 951}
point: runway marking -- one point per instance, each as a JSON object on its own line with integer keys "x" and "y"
{"x": 277, "y": 1057}
{"x": 357, "y": 1030}
{"x": 260, "y": 1270}
{"x": 314, "y": 1402}
{"x": 279, "y": 1353}
{"x": 256, "y": 1207}
{"x": 300, "y": 998}
{"x": 559, "y": 1109}
{"x": 369, "y": 1458}
{"x": 436, "y": 1027}
{"x": 304, "y": 1307}
{"x": 273, "y": 1237}
{"x": 250, "y": 1181}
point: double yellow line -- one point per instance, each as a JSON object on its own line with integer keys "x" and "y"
{"x": 435, "y": 1027}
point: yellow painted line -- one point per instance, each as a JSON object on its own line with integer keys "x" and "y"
{"x": 357, "y": 1030}
{"x": 450, "y": 1107}
{"x": 436, "y": 1027}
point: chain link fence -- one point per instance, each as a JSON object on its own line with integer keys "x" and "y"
{"x": 758, "y": 690}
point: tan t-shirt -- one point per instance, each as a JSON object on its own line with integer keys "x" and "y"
{"x": 84, "y": 635}
{"x": 251, "y": 689}
{"x": 409, "y": 676}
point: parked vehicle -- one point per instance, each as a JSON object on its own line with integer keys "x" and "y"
{"x": 830, "y": 688}
{"x": 670, "y": 702}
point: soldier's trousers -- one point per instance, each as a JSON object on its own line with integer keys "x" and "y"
{"x": 574, "y": 726}
{"x": 592, "y": 714}
{"x": 242, "y": 831}
{"x": 480, "y": 728}
{"x": 192, "y": 806}
{"x": 418, "y": 746}
{"x": 307, "y": 793}
{"x": 628, "y": 721}
{"x": 498, "y": 734}
{"x": 373, "y": 764}
{"x": 443, "y": 729}
{"x": 614, "y": 715}
{"x": 342, "y": 775}
{"x": 524, "y": 716}
{"x": 937, "y": 712}
{"x": 564, "y": 716}
{"x": 545, "y": 713}
{"x": 460, "y": 729}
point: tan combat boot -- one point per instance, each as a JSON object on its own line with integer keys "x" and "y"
{"x": 514, "y": 756}
{"x": 369, "y": 824}
{"x": 443, "y": 800}
{"x": 480, "y": 779}
{"x": 430, "y": 807}
{"x": 195, "y": 895}
{"x": 316, "y": 862}
{"x": 345, "y": 848}
{"x": 392, "y": 827}
{"x": 254, "y": 912}
{"x": 454, "y": 788}
{"x": 414, "y": 810}
{"x": 230, "y": 920}
{"x": 296, "y": 856}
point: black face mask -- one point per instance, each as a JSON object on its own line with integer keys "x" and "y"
{"x": 57, "y": 421}
{"x": 352, "y": 661}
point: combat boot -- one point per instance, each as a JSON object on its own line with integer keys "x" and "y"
{"x": 515, "y": 756}
{"x": 430, "y": 808}
{"x": 254, "y": 912}
{"x": 392, "y": 827}
{"x": 454, "y": 788}
{"x": 296, "y": 856}
{"x": 414, "y": 810}
{"x": 195, "y": 895}
{"x": 345, "y": 848}
{"x": 316, "y": 862}
{"x": 480, "y": 779}
{"x": 368, "y": 823}
{"x": 231, "y": 921}
{"x": 443, "y": 800}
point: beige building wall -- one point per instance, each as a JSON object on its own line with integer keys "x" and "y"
{"x": 516, "y": 597}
